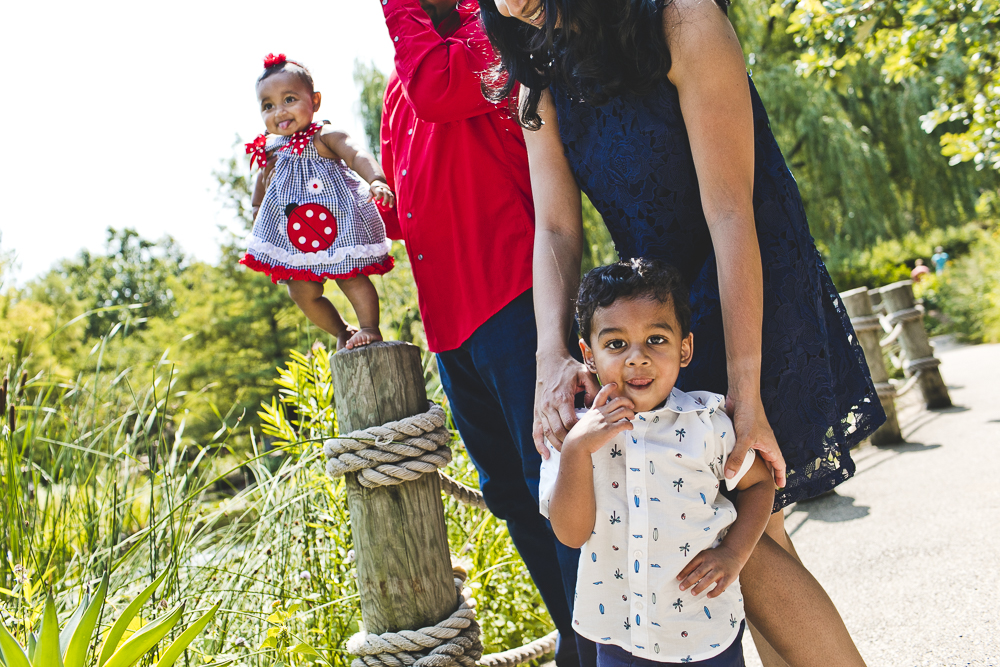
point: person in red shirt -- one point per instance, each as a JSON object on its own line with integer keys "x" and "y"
{"x": 459, "y": 168}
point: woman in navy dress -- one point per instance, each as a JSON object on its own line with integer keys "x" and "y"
{"x": 646, "y": 106}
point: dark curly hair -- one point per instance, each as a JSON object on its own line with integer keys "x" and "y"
{"x": 292, "y": 67}
{"x": 614, "y": 47}
{"x": 632, "y": 279}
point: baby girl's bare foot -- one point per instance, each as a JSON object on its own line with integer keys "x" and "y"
{"x": 363, "y": 337}
{"x": 344, "y": 337}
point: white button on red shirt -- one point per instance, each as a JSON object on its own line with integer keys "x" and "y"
{"x": 674, "y": 461}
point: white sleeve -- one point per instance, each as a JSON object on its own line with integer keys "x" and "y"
{"x": 727, "y": 439}
{"x": 547, "y": 480}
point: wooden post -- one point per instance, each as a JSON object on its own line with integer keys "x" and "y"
{"x": 899, "y": 307}
{"x": 869, "y": 332}
{"x": 404, "y": 565}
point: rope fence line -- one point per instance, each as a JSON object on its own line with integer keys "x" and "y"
{"x": 391, "y": 454}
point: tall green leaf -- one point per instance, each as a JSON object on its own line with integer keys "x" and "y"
{"x": 174, "y": 651}
{"x": 121, "y": 625}
{"x": 142, "y": 641}
{"x": 76, "y": 651}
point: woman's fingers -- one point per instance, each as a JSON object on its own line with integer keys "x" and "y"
{"x": 539, "y": 438}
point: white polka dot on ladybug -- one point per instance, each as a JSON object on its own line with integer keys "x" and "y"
{"x": 328, "y": 230}
{"x": 296, "y": 226}
{"x": 322, "y": 216}
{"x": 315, "y": 244}
{"x": 302, "y": 239}
{"x": 309, "y": 213}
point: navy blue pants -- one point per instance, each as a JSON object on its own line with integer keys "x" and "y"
{"x": 609, "y": 655}
{"x": 490, "y": 383}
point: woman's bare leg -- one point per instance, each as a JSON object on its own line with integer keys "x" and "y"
{"x": 364, "y": 298}
{"x": 785, "y": 604}
{"x": 308, "y": 296}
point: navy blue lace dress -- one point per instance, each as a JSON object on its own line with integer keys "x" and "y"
{"x": 633, "y": 159}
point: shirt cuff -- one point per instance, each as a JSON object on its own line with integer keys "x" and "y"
{"x": 744, "y": 469}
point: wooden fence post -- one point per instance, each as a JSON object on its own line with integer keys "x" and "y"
{"x": 899, "y": 308}
{"x": 403, "y": 562}
{"x": 869, "y": 332}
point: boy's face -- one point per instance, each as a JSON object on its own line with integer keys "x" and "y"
{"x": 286, "y": 105}
{"x": 637, "y": 344}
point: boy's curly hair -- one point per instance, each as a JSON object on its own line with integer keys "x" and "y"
{"x": 630, "y": 279}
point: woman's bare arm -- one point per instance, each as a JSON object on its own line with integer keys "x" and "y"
{"x": 556, "y": 267}
{"x": 711, "y": 80}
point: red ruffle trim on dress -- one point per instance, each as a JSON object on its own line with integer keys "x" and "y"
{"x": 284, "y": 273}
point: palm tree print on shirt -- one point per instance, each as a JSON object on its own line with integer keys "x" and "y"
{"x": 679, "y": 605}
{"x": 615, "y": 518}
{"x": 679, "y": 483}
{"x": 680, "y": 433}
{"x": 685, "y": 548}
{"x": 615, "y": 451}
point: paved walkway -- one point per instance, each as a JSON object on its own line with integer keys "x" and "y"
{"x": 909, "y": 549}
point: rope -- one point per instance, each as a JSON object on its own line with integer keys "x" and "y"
{"x": 905, "y": 315}
{"x": 462, "y": 493}
{"x": 454, "y": 642}
{"x": 866, "y": 323}
{"x": 885, "y": 390}
{"x": 518, "y": 656}
{"x": 393, "y": 453}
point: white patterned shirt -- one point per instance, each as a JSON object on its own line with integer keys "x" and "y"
{"x": 658, "y": 506}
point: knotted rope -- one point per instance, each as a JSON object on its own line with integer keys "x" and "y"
{"x": 393, "y": 453}
{"x": 905, "y": 315}
{"x": 454, "y": 642}
{"x": 866, "y": 323}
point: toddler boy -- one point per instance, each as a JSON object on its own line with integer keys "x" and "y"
{"x": 636, "y": 484}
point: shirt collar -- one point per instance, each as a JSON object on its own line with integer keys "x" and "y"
{"x": 681, "y": 402}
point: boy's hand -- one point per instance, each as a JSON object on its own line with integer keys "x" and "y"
{"x": 610, "y": 416}
{"x": 381, "y": 193}
{"x": 718, "y": 566}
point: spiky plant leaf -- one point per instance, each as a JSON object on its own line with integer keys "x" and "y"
{"x": 174, "y": 651}
{"x": 142, "y": 641}
{"x": 121, "y": 625}
{"x": 47, "y": 652}
{"x": 79, "y": 643}
{"x": 13, "y": 652}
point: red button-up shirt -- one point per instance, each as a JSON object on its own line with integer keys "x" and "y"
{"x": 459, "y": 168}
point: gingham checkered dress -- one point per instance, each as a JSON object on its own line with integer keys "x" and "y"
{"x": 315, "y": 221}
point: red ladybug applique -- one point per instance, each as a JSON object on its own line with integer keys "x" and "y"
{"x": 311, "y": 227}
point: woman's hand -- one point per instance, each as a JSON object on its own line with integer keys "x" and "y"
{"x": 753, "y": 432}
{"x": 560, "y": 379}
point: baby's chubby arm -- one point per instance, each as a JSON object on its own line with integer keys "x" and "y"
{"x": 359, "y": 160}
{"x": 722, "y": 565}
{"x": 573, "y": 508}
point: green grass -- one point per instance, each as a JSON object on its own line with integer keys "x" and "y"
{"x": 97, "y": 474}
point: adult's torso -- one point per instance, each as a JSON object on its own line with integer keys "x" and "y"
{"x": 464, "y": 206}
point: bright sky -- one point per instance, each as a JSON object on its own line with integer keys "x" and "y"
{"x": 116, "y": 113}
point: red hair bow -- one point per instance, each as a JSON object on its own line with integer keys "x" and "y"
{"x": 256, "y": 149}
{"x": 270, "y": 60}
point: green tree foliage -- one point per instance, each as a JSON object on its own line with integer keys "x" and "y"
{"x": 865, "y": 166}
{"x": 952, "y": 44}
{"x": 372, "y": 82}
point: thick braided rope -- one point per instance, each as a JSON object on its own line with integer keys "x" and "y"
{"x": 462, "y": 493}
{"x": 393, "y": 453}
{"x": 523, "y": 654}
{"x": 866, "y": 323}
{"x": 905, "y": 315}
{"x": 922, "y": 364}
{"x": 454, "y": 642}
{"x": 885, "y": 390}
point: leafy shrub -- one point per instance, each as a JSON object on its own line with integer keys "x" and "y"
{"x": 889, "y": 261}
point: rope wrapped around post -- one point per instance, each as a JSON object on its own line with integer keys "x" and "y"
{"x": 393, "y": 453}
{"x": 454, "y": 642}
